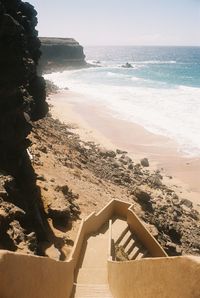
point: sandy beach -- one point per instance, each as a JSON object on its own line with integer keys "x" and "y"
{"x": 94, "y": 123}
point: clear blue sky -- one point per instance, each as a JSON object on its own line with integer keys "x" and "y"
{"x": 121, "y": 22}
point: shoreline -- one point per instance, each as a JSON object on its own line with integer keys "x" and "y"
{"x": 94, "y": 123}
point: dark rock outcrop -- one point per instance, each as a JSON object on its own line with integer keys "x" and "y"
{"x": 22, "y": 100}
{"x": 59, "y": 53}
{"x": 127, "y": 65}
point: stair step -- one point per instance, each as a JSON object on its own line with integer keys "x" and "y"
{"x": 130, "y": 245}
{"x": 133, "y": 254}
{"x": 122, "y": 235}
{"x": 92, "y": 275}
{"x": 93, "y": 291}
{"x": 139, "y": 256}
{"x": 125, "y": 239}
{"x": 118, "y": 227}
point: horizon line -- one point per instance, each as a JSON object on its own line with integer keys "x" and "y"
{"x": 138, "y": 45}
{"x": 123, "y": 45}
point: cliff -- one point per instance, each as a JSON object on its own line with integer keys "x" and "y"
{"x": 24, "y": 213}
{"x": 59, "y": 53}
{"x": 22, "y": 101}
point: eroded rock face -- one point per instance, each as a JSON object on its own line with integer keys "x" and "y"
{"x": 22, "y": 96}
{"x": 22, "y": 91}
{"x": 59, "y": 53}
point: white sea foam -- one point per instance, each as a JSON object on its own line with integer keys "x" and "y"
{"x": 116, "y": 75}
{"x": 155, "y": 62}
{"x": 172, "y": 112}
{"x": 106, "y": 63}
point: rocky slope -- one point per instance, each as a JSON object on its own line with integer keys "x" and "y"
{"x": 59, "y": 53}
{"x": 97, "y": 175}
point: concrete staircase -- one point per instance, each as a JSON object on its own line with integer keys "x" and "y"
{"x": 131, "y": 245}
{"x": 91, "y": 278}
{"x": 93, "y": 291}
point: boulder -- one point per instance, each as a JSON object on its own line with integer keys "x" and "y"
{"x": 142, "y": 195}
{"x": 144, "y": 162}
{"x": 9, "y": 211}
{"x": 59, "y": 210}
{"x": 118, "y": 151}
{"x": 154, "y": 181}
{"x": 107, "y": 153}
{"x": 187, "y": 203}
{"x": 26, "y": 243}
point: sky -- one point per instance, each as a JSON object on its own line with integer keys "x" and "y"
{"x": 121, "y": 22}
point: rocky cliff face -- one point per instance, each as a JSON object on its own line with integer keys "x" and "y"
{"x": 22, "y": 99}
{"x": 59, "y": 53}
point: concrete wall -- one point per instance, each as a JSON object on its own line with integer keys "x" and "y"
{"x": 23, "y": 276}
{"x": 120, "y": 208}
{"x": 176, "y": 277}
{"x": 144, "y": 235}
{"x": 94, "y": 222}
{"x": 90, "y": 225}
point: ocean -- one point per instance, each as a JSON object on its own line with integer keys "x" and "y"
{"x": 161, "y": 91}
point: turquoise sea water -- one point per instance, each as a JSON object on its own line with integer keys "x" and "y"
{"x": 160, "y": 92}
